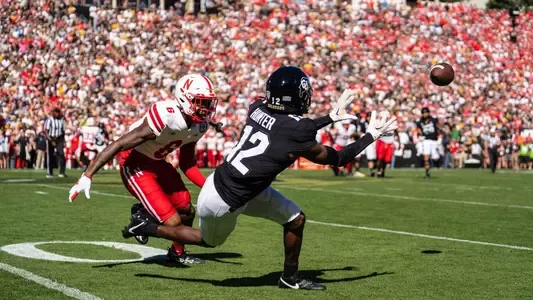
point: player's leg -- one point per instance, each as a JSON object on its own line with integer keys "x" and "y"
{"x": 217, "y": 218}
{"x": 371, "y": 156}
{"x": 60, "y": 146}
{"x": 272, "y": 205}
{"x": 387, "y": 157}
{"x": 426, "y": 151}
{"x": 170, "y": 181}
{"x": 380, "y": 155}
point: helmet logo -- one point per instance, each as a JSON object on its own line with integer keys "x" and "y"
{"x": 304, "y": 86}
{"x": 187, "y": 84}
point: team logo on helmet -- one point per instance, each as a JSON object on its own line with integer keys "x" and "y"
{"x": 304, "y": 87}
{"x": 203, "y": 127}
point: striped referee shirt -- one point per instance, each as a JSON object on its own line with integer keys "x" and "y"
{"x": 55, "y": 127}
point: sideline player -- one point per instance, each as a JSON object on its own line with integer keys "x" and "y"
{"x": 429, "y": 127}
{"x": 344, "y": 131}
{"x": 167, "y": 125}
{"x": 385, "y": 150}
{"x": 274, "y": 136}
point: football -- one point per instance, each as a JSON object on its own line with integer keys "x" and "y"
{"x": 441, "y": 74}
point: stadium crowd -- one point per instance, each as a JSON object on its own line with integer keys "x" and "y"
{"x": 109, "y": 69}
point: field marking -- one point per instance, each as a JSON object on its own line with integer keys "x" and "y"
{"x": 411, "y": 198}
{"x": 18, "y": 180}
{"x": 41, "y": 193}
{"x": 421, "y": 235}
{"x": 28, "y": 250}
{"x": 47, "y": 283}
{"x": 92, "y": 192}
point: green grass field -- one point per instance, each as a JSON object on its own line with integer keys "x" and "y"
{"x": 464, "y": 234}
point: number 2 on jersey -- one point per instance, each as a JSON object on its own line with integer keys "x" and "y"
{"x": 237, "y": 154}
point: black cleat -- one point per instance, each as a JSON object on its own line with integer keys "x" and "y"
{"x": 297, "y": 283}
{"x": 184, "y": 258}
{"x": 137, "y": 208}
{"x": 428, "y": 176}
{"x": 136, "y": 227}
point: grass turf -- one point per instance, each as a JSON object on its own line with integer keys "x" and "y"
{"x": 471, "y": 205}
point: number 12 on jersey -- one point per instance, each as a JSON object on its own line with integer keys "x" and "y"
{"x": 260, "y": 143}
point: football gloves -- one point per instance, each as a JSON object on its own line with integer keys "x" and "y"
{"x": 83, "y": 184}
{"x": 381, "y": 124}
{"x": 338, "y": 109}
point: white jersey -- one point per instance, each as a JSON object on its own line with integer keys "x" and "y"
{"x": 167, "y": 123}
{"x": 201, "y": 144}
{"x": 88, "y": 134}
{"x": 220, "y": 144}
{"x": 343, "y": 134}
{"x": 211, "y": 143}
{"x": 387, "y": 139}
{"x": 228, "y": 146}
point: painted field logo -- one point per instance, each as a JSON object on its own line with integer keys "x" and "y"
{"x": 29, "y": 250}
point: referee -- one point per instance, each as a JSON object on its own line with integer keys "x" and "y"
{"x": 491, "y": 145}
{"x": 54, "y": 132}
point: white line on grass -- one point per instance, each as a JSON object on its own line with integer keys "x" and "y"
{"x": 421, "y": 235}
{"x": 410, "y": 198}
{"x": 41, "y": 193}
{"x": 387, "y": 230}
{"x": 92, "y": 192}
{"x": 71, "y": 292}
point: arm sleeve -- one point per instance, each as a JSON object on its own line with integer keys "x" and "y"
{"x": 348, "y": 153}
{"x": 187, "y": 162}
{"x": 323, "y": 121}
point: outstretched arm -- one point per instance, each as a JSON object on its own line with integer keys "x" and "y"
{"x": 325, "y": 155}
{"x": 125, "y": 142}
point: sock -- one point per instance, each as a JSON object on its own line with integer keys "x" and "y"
{"x": 427, "y": 171}
{"x": 289, "y": 271}
{"x": 178, "y": 248}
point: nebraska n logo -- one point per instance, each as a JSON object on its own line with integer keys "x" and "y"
{"x": 187, "y": 84}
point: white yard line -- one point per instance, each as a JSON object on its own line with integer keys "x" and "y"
{"x": 92, "y": 192}
{"x": 422, "y": 235}
{"x": 410, "y": 198}
{"x": 71, "y": 292}
{"x": 41, "y": 193}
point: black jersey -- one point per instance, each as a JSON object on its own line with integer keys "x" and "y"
{"x": 428, "y": 128}
{"x": 262, "y": 153}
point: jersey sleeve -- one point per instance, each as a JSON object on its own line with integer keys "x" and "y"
{"x": 165, "y": 114}
{"x": 303, "y": 136}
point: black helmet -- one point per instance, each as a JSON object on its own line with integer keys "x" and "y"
{"x": 289, "y": 91}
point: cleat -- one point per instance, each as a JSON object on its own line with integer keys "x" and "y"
{"x": 137, "y": 208}
{"x": 49, "y": 176}
{"x": 297, "y": 283}
{"x": 62, "y": 175}
{"x": 137, "y": 226}
{"x": 184, "y": 258}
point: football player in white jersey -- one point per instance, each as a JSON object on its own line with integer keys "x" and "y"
{"x": 344, "y": 131}
{"x": 167, "y": 125}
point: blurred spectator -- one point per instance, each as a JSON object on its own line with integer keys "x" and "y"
{"x": 51, "y": 57}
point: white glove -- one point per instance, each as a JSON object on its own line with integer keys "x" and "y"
{"x": 382, "y": 125}
{"x": 338, "y": 109}
{"x": 83, "y": 184}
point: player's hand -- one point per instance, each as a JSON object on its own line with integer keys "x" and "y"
{"x": 338, "y": 109}
{"x": 83, "y": 184}
{"x": 381, "y": 124}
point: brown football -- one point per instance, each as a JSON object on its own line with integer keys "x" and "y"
{"x": 441, "y": 74}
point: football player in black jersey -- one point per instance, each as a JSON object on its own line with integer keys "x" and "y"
{"x": 274, "y": 136}
{"x": 428, "y": 126}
